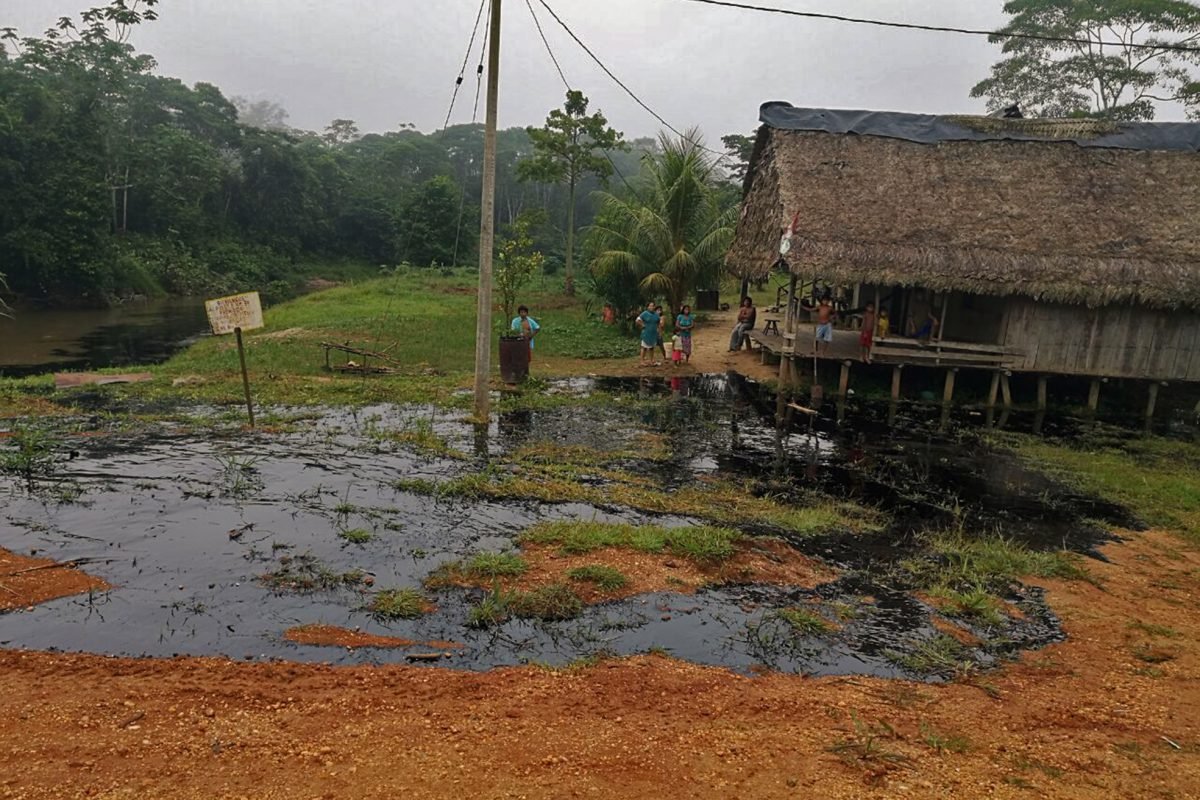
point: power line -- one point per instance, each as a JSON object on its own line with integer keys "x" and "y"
{"x": 628, "y": 91}
{"x": 479, "y": 70}
{"x": 466, "y": 60}
{"x": 550, "y": 51}
{"x": 1178, "y": 48}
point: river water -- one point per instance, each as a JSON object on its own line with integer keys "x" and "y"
{"x": 34, "y": 341}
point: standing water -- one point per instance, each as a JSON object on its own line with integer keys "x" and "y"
{"x": 35, "y": 341}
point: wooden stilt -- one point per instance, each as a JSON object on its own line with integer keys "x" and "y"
{"x": 993, "y": 392}
{"x": 1094, "y": 396}
{"x": 1151, "y": 402}
{"x": 948, "y": 393}
{"x": 1006, "y": 390}
{"x": 896, "y": 381}
{"x": 844, "y": 380}
{"x": 1041, "y": 390}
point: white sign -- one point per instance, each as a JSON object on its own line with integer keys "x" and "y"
{"x": 240, "y": 311}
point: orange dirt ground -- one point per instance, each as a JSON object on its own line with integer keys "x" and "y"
{"x": 26, "y": 581}
{"x": 757, "y": 560}
{"x": 1087, "y": 718}
{"x": 333, "y": 636}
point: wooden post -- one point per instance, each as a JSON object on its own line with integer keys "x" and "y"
{"x": 948, "y": 392}
{"x": 942, "y": 319}
{"x": 1151, "y": 402}
{"x": 1094, "y": 396}
{"x": 245, "y": 375}
{"x": 1006, "y": 390}
{"x": 487, "y": 229}
{"x": 854, "y": 298}
{"x": 994, "y": 391}
{"x": 844, "y": 381}
{"x": 1041, "y": 397}
{"x": 896, "y": 381}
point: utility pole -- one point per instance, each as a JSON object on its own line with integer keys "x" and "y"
{"x": 487, "y": 229}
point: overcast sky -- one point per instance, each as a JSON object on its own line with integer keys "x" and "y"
{"x": 386, "y": 62}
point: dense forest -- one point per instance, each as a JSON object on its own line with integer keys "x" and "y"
{"x": 119, "y": 182}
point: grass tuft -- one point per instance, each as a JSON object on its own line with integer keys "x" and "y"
{"x": 356, "y": 535}
{"x": 804, "y": 622}
{"x": 481, "y": 568}
{"x": 701, "y": 544}
{"x": 606, "y": 579}
{"x": 399, "y": 604}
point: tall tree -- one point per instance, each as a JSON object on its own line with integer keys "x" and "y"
{"x": 1118, "y": 69}
{"x": 673, "y": 237}
{"x": 569, "y": 147}
{"x": 740, "y": 150}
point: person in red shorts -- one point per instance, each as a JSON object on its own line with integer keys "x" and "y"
{"x": 867, "y": 338}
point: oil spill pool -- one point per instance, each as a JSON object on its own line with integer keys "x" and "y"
{"x": 185, "y": 525}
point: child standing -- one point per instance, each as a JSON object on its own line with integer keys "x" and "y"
{"x": 867, "y": 337}
{"x": 676, "y": 350}
{"x": 885, "y": 324}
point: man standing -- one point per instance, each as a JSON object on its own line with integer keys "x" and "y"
{"x": 526, "y": 326}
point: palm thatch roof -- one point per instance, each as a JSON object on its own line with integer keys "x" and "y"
{"x": 1060, "y": 210}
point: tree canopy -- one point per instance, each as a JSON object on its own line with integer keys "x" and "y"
{"x": 1120, "y": 68}
{"x": 121, "y": 181}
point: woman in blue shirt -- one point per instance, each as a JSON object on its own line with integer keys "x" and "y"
{"x": 526, "y": 326}
{"x": 649, "y": 322}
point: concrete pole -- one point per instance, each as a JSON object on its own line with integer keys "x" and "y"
{"x": 487, "y": 229}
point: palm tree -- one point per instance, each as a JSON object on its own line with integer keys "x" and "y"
{"x": 671, "y": 237}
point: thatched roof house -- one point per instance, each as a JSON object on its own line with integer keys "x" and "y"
{"x": 1074, "y": 210}
{"x": 1075, "y": 213}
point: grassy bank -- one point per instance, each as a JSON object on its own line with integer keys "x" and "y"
{"x": 1158, "y": 479}
{"x": 423, "y": 319}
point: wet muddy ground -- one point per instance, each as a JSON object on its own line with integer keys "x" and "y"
{"x": 183, "y": 521}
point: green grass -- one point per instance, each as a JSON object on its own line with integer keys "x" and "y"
{"x": 804, "y": 622}
{"x": 399, "y": 604}
{"x": 424, "y": 320}
{"x": 701, "y": 544}
{"x": 1158, "y": 479}
{"x": 554, "y": 602}
{"x": 974, "y": 603}
{"x": 955, "y": 559}
{"x": 481, "y": 568}
{"x": 606, "y": 579}
{"x": 941, "y": 655}
{"x": 356, "y": 535}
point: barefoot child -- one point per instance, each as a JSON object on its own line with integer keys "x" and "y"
{"x": 866, "y": 338}
{"x": 824, "y": 332}
{"x": 685, "y": 323}
{"x": 676, "y": 350}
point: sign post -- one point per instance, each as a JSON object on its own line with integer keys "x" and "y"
{"x": 241, "y": 312}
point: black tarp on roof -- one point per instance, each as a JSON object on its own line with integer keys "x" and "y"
{"x": 931, "y": 129}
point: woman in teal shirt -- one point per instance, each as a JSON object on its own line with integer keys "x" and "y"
{"x": 684, "y": 324}
{"x": 649, "y": 322}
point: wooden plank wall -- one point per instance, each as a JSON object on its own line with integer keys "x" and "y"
{"x": 1112, "y": 341}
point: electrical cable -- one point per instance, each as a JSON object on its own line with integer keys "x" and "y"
{"x": 1177, "y": 48}
{"x": 466, "y": 60}
{"x": 462, "y": 202}
{"x": 550, "y": 51}
{"x": 720, "y": 156}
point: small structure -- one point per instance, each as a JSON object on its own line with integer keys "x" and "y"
{"x": 1053, "y": 247}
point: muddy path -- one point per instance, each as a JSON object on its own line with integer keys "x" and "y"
{"x": 218, "y": 542}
